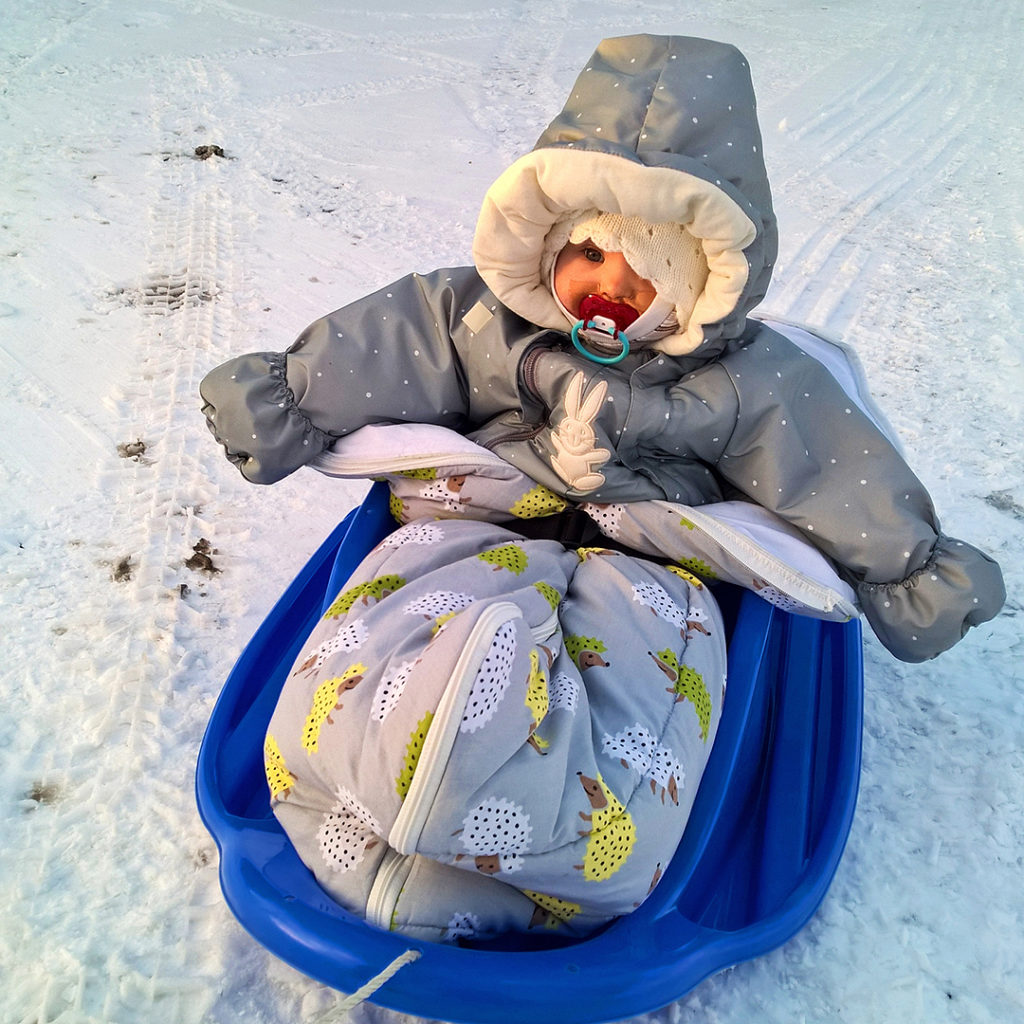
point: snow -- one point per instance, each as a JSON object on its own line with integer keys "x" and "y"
{"x": 357, "y": 145}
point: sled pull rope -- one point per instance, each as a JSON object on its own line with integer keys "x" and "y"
{"x": 361, "y": 994}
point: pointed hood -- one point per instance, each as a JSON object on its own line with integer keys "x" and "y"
{"x": 663, "y": 128}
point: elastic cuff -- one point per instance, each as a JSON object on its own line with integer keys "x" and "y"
{"x": 933, "y": 608}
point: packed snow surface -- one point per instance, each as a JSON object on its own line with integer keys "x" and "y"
{"x": 354, "y": 146}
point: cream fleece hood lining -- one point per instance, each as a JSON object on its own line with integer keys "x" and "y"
{"x": 541, "y": 187}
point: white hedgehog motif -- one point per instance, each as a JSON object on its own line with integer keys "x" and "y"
{"x": 563, "y": 693}
{"x": 390, "y": 689}
{"x": 695, "y": 619}
{"x": 607, "y": 517}
{"x": 666, "y": 774}
{"x": 347, "y": 638}
{"x": 414, "y": 533}
{"x": 498, "y": 828}
{"x": 637, "y": 748}
{"x": 655, "y": 597}
{"x": 634, "y": 747}
{"x": 492, "y": 679}
{"x": 438, "y": 603}
{"x": 347, "y": 832}
{"x": 462, "y": 925}
{"x": 776, "y": 597}
{"x": 447, "y": 491}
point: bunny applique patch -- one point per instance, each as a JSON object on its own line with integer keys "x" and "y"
{"x": 578, "y": 459}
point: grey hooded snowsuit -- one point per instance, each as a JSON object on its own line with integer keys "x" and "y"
{"x": 662, "y": 128}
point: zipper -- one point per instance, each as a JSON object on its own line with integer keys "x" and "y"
{"x": 396, "y": 866}
{"x": 527, "y": 433}
{"x": 528, "y": 370}
{"x": 391, "y": 877}
{"x": 412, "y": 816}
{"x": 544, "y": 630}
{"x": 329, "y": 462}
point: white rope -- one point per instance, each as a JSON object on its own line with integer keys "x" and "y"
{"x": 342, "y": 1009}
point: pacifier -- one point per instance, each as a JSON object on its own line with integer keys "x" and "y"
{"x": 601, "y": 322}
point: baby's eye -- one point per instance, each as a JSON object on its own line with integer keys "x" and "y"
{"x": 593, "y": 254}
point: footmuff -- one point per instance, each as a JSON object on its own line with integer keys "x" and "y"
{"x": 487, "y": 733}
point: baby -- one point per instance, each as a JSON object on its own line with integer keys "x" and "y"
{"x": 602, "y": 344}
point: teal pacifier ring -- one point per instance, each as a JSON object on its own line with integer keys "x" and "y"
{"x": 593, "y": 356}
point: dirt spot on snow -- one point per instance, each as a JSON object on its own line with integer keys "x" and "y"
{"x": 44, "y": 792}
{"x": 1003, "y": 501}
{"x": 201, "y": 560}
{"x": 202, "y": 858}
{"x": 203, "y": 152}
{"x": 131, "y": 449}
{"x": 123, "y": 570}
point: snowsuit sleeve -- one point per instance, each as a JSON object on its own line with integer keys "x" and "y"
{"x": 802, "y": 448}
{"x": 389, "y": 357}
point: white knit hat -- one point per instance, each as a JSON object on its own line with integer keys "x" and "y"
{"x": 667, "y": 255}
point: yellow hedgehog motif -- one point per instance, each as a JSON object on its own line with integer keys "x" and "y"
{"x": 551, "y": 911}
{"x": 549, "y": 593}
{"x": 612, "y": 832}
{"x": 586, "y": 651}
{"x": 377, "y": 589}
{"x": 592, "y": 552}
{"x": 412, "y": 755}
{"x": 687, "y": 684}
{"x": 279, "y": 778}
{"x": 537, "y": 700}
{"x": 396, "y": 507}
{"x": 508, "y": 556}
{"x": 694, "y": 581}
{"x": 698, "y": 568}
{"x": 326, "y": 699}
{"x": 537, "y": 502}
{"x": 440, "y": 621}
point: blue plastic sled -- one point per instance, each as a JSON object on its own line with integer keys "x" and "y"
{"x": 765, "y": 837}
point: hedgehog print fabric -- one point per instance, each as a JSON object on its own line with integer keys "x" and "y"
{"x": 487, "y": 733}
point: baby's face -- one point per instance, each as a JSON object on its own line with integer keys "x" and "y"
{"x": 583, "y": 269}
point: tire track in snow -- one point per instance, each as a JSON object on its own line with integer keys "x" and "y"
{"x": 886, "y": 113}
{"x": 186, "y": 292}
{"x": 935, "y": 137}
{"x": 829, "y": 257}
{"x": 323, "y": 177}
{"x": 526, "y": 83}
{"x": 833, "y": 258}
{"x": 137, "y": 687}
